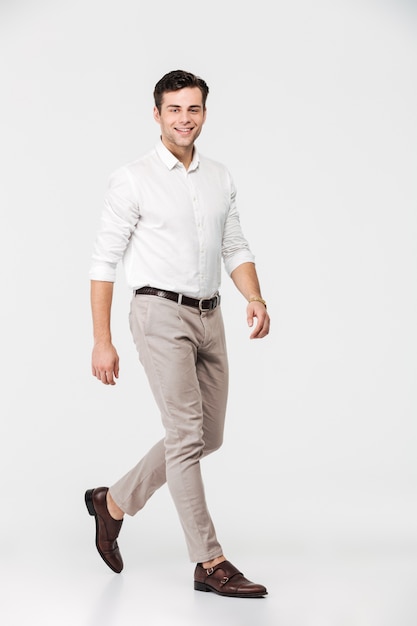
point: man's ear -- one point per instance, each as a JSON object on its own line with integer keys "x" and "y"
{"x": 156, "y": 115}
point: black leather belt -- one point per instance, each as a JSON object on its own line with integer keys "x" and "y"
{"x": 203, "y": 304}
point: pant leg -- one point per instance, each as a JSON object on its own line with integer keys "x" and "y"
{"x": 183, "y": 352}
{"x": 132, "y": 491}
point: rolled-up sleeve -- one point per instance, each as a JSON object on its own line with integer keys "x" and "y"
{"x": 118, "y": 220}
{"x": 235, "y": 248}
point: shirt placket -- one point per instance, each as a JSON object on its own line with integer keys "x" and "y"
{"x": 202, "y": 245}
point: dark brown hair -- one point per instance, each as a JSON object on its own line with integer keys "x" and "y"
{"x": 175, "y": 80}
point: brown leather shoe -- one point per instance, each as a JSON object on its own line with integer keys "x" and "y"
{"x": 226, "y": 580}
{"x": 107, "y": 528}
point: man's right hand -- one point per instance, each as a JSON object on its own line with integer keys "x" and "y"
{"x": 105, "y": 363}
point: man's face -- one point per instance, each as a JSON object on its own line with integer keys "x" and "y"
{"x": 181, "y": 118}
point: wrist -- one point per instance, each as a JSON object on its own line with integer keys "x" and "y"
{"x": 257, "y": 299}
{"x": 102, "y": 341}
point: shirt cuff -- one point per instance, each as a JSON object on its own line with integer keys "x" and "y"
{"x": 234, "y": 261}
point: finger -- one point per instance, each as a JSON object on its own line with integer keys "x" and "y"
{"x": 262, "y": 328}
{"x": 250, "y": 318}
{"x": 109, "y": 378}
{"x": 256, "y": 333}
{"x": 103, "y": 377}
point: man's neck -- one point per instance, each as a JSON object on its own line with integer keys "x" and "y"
{"x": 184, "y": 155}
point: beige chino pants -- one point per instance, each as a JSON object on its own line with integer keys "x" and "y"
{"x": 183, "y": 352}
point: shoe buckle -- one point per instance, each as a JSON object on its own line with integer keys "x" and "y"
{"x": 224, "y": 580}
{"x": 209, "y": 571}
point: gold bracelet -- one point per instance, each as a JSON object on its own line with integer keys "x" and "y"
{"x": 256, "y": 299}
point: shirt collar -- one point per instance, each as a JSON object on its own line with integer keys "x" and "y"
{"x": 171, "y": 161}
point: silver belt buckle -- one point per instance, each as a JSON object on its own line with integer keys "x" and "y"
{"x": 200, "y": 305}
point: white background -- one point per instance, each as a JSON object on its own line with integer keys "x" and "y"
{"x": 312, "y": 106}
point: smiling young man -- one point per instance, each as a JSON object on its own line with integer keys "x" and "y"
{"x": 171, "y": 217}
{"x": 181, "y": 116}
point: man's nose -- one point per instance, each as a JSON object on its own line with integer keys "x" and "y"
{"x": 185, "y": 117}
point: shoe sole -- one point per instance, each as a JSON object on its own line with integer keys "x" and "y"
{"x": 89, "y": 501}
{"x": 90, "y": 508}
{"x": 203, "y": 587}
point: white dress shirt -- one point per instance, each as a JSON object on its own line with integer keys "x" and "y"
{"x": 170, "y": 226}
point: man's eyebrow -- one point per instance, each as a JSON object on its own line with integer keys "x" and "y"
{"x": 178, "y": 106}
